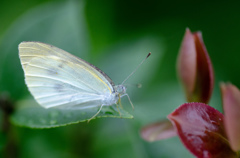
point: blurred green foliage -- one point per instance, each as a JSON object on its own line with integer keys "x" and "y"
{"x": 115, "y": 36}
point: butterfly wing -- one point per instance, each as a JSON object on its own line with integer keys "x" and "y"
{"x": 58, "y": 79}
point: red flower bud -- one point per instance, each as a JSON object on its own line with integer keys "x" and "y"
{"x": 194, "y": 68}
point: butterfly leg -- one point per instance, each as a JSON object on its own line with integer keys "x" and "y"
{"x": 130, "y": 101}
{"x": 120, "y": 104}
{"x": 118, "y": 110}
{"x": 95, "y": 114}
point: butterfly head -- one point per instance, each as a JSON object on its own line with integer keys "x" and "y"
{"x": 120, "y": 89}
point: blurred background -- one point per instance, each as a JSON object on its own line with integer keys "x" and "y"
{"x": 114, "y": 35}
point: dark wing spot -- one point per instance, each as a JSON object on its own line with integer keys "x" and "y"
{"x": 60, "y": 65}
{"x": 52, "y": 71}
{"x": 59, "y": 87}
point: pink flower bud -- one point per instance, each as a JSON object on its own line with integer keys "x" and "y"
{"x": 231, "y": 106}
{"x": 194, "y": 68}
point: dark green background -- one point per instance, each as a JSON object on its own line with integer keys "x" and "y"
{"x": 116, "y": 35}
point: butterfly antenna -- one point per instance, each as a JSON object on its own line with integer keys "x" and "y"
{"x": 139, "y": 85}
{"x": 136, "y": 68}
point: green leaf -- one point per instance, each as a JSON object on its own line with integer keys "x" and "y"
{"x": 29, "y": 114}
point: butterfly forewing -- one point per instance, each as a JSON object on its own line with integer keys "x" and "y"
{"x": 59, "y": 79}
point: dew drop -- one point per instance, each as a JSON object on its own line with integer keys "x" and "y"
{"x": 206, "y": 153}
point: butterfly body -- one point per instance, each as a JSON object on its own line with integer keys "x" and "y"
{"x": 58, "y": 79}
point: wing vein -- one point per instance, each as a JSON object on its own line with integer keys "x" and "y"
{"x": 56, "y": 94}
{"x": 88, "y": 85}
{"x": 65, "y": 103}
{"x": 38, "y": 76}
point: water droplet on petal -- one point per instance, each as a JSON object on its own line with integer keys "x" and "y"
{"x": 205, "y": 153}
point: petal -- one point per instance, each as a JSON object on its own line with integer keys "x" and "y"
{"x": 231, "y": 106}
{"x": 158, "y": 131}
{"x": 187, "y": 65}
{"x": 194, "y": 68}
{"x": 200, "y": 128}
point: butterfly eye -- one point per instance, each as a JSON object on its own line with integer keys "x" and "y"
{"x": 121, "y": 89}
{"x": 124, "y": 89}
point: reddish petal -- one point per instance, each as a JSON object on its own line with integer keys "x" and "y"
{"x": 158, "y": 131}
{"x": 231, "y": 106}
{"x": 200, "y": 128}
{"x": 195, "y": 68}
{"x": 205, "y": 79}
{"x": 187, "y": 65}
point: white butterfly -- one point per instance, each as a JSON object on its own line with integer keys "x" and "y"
{"x": 58, "y": 79}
